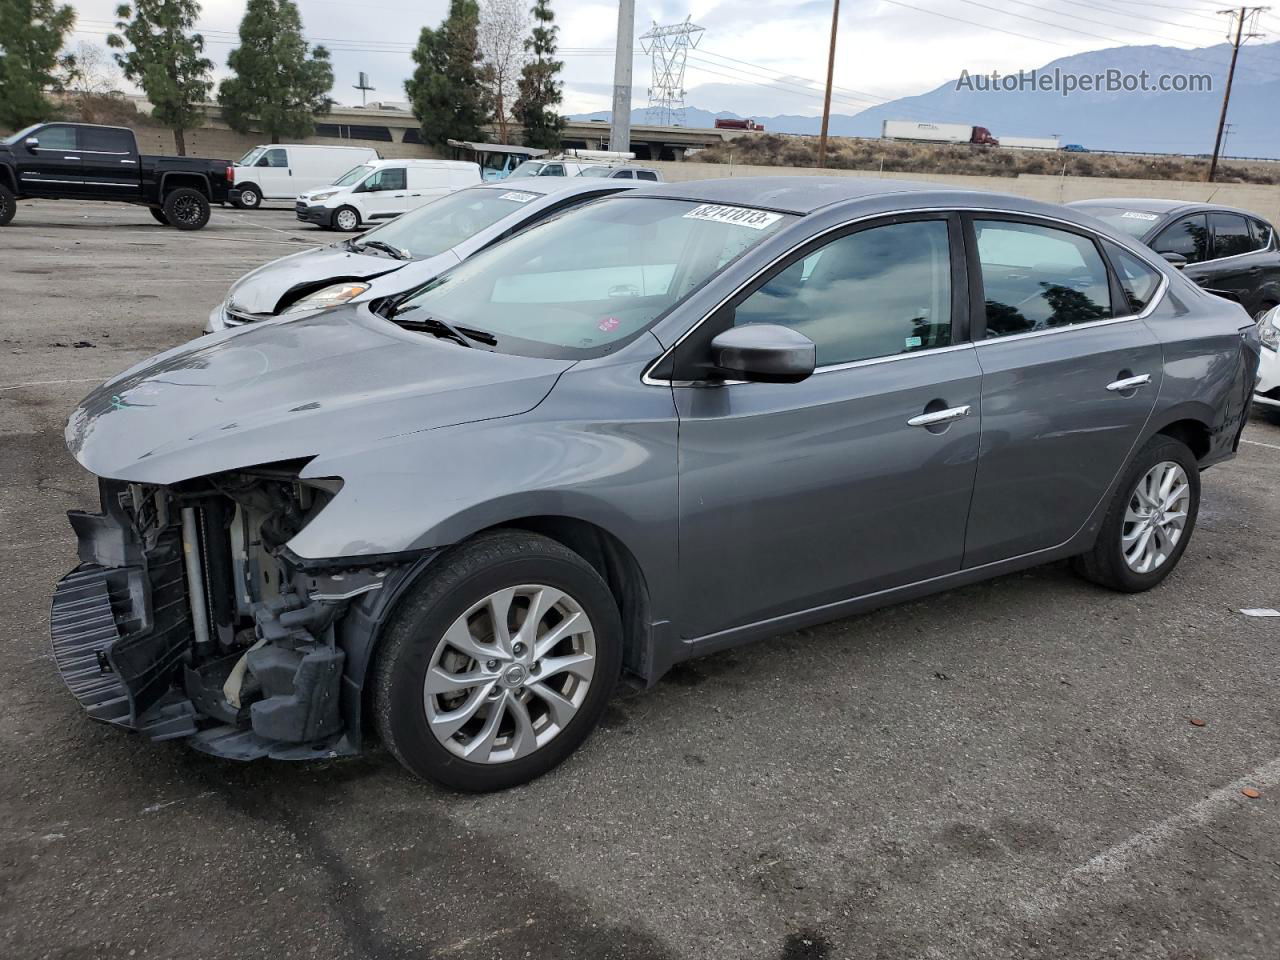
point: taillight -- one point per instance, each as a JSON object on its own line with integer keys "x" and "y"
{"x": 231, "y": 174}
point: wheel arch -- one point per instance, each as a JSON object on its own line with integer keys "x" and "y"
{"x": 176, "y": 179}
{"x": 7, "y": 178}
{"x": 1192, "y": 423}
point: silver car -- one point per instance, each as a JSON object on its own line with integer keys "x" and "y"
{"x": 657, "y": 426}
{"x": 403, "y": 254}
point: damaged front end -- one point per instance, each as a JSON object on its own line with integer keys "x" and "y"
{"x": 188, "y": 617}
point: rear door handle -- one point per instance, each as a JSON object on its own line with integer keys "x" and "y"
{"x": 939, "y": 416}
{"x": 1129, "y": 383}
{"x": 70, "y": 158}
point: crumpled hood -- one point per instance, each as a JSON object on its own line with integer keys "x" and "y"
{"x": 320, "y": 385}
{"x": 262, "y": 290}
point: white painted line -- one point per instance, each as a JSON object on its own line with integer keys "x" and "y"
{"x": 1259, "y": 443}
{"x": 1118, "y": 858}
{"x": 47, "y": 383}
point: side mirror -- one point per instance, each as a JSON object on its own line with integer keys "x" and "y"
{"x": 1177, "y": 259}
{"x": 764, "y": 353}
{"x": 31, "y": 143}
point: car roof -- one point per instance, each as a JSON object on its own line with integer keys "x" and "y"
{"x": 1154, "y": 205}
{"x": 561, "y": 186}
{"x": 799, "y": 195}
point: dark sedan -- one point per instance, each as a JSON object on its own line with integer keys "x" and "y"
{"x": 1218, "y": 247}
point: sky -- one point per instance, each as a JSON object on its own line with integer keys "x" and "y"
{"x": 754, "y": 57}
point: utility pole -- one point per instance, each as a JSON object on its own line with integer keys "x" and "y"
{"x": 620, "y": 119}
{"x": 826, "y": 100}
{"x": 1239, "y": 16}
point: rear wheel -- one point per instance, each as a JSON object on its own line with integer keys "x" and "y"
{"x": 498, "y": 664}
{"x": 1150, "y": 520}
{"x": 8, "y": 205}
{"x": 159, "y": 215}
{"x": 250, "y": 198}
{"x": 186, "y": 208}
{"x": 347, "y": 219}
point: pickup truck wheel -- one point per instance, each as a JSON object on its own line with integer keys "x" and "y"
{"x": 186, "y": 208}
{"x": 249, "y": 199}
{"x": 8, "y": 205}
{"x": 159, "y": 216}
{"x": 498, "y": 662}
{"x": 347, "y": 219}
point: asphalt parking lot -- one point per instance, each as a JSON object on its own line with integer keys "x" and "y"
{"x": 1008, "y": 770}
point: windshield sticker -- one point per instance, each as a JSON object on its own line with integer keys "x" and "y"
{"x": 609, "y": 324}
{"x": 739, "y": 216}
{"x": 1136, "y": 215}
{"x": 519, "y": 197}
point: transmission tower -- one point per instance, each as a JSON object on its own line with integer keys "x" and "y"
{"x": 669, "y": 47}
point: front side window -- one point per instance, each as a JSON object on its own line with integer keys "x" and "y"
{"x": 388, "y": 178}
{"x": 1231, "y": 236}
{"x": 646, "y": 175}
{"x": 275, "y": 157}
{"x": 1039, "y": 278}
{"x": 552, "y": 170}
{"x": 106, "y": 140}
{"x": 874, "y": 293}
{"x": 583, "y": 283}
{"x": 1189, "y": 237}
{"x": 1139, "y": 280}
{"x": 57, "y": 138}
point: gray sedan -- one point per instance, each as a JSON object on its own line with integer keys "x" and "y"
{"x": 403, "y": 254}
{"x": 658, "y": 426}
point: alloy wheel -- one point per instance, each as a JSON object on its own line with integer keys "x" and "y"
{"x": 186, "y": 210}
{"x": 510, "y": 674}
{"x": 1155, "y": 517}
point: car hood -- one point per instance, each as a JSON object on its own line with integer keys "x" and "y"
{"x": 325, "y": 384}
{"x": 262, "y": 290}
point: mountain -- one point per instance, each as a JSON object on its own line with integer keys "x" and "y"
{"x": 1149, "y": 122}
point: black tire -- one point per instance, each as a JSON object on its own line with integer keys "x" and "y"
{"x": 338, "y": 217}
{"x": 159, "y": 215}
{"x": 8, "y": 205}
{"x": 186, "y": 208}
{"x": 464, "y": 576}
{"x": 250, "y": 197}
{"x": 1105, "y": 563}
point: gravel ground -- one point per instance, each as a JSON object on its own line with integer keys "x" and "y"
{"x": 1007, "y": 770}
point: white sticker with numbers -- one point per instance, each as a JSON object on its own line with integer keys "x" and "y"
{"x": 519, "y": 197}
{"x": 739, "y": 216}
{"x": 1137, "y": 215}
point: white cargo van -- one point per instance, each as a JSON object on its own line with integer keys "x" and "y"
{"x": 281, "y": 171}
{"x": 382, "y": 190}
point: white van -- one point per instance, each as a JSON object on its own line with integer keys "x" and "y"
{"x": 281, "y": 171}
{"x": 382, "y": 190}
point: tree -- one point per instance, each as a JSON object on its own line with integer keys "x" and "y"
{"x": 89, "y": 71}
{"x": 445, "y": 89}
{"x": 503, "y": 24}
{"x": 31, "y": 34}
{"x": 539, "y": 86}
{"x": 275, "y": 81}
{"x": 166, "y": 59}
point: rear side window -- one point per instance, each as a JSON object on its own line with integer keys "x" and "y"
{"x": 102, "y": 140}
{"x": 552, "y": 170}
{"x": 1039, "y": 278}
{"x": 646, "y": 175}
{"x": 1139, "y": 280}
{"x": 1188, "y": 237}
{"x": 874, "y": 293}
{"x": 1261, "y": 233}
{"x": 1231, "y": 236}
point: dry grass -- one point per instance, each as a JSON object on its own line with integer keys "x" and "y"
{"x": 777, "y": 150}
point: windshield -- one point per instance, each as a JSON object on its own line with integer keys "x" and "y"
{"x": 20, "y": 135}
{"x": 589, "y": 280}
{"x": 354, "y": 175}
{"x": 529, "y": 168}
{"x": 1135, "y": 223}
{"x": 250, "y": 158}
{"x": 446, "y": 222}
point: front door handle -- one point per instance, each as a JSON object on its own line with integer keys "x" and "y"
{"x": 939, "y": 416}
{"x": 70, "y": 158}
{"x": 1129, "y": 383}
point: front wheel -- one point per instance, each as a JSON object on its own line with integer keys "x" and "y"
{"x": 250, "y": 198}
{"x": 498, "y": 664}
{"x": 186, "y": 208}
{"x": 347, "y": 219}
{"x": 8, "y": 205}
{"x": 1150, "y": 520}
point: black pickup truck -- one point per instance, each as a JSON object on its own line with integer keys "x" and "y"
{"x": 81, "y": 161}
